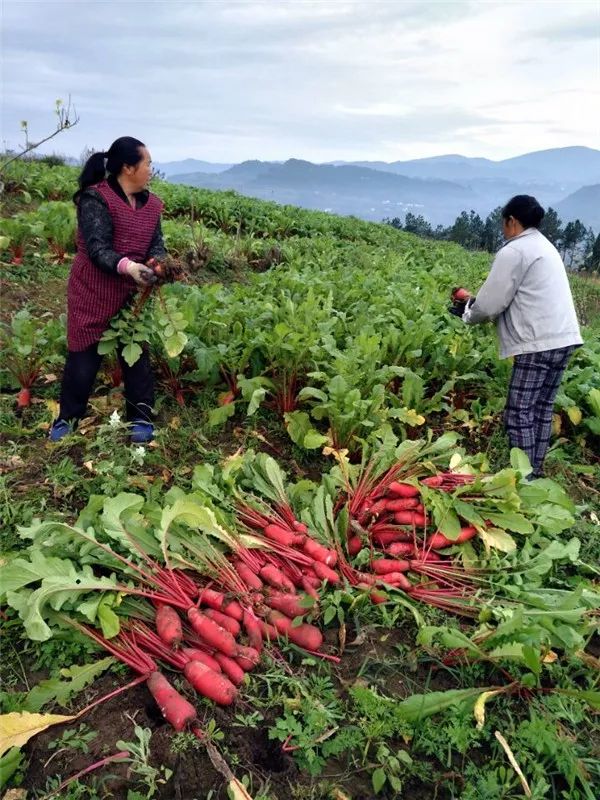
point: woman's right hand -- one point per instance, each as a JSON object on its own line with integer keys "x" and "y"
{"x": 140, "y": 273}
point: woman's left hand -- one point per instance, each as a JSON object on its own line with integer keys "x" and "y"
{"x": 141, "y": 274}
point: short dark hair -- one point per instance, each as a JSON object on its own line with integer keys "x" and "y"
{"x": 525, "y": 209}
{"x": 125, "y": 150}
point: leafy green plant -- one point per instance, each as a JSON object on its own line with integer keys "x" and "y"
{"x": 28, "y": 348}
{"x": 136, "y": 325}
{"x": 74, "y": 739}
{"x": 139, "y": 762}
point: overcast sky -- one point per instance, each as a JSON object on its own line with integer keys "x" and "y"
{"x": 314, "y": 79}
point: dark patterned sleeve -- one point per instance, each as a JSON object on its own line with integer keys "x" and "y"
{"x": 96, "y": 227}
{"x": 157, "y": 245}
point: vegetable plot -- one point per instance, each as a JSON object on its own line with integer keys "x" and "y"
{"x": 246, "y": 561}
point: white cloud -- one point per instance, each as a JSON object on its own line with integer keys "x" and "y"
{"x": 320, "y": 79}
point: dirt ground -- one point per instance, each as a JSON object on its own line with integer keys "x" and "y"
{"x": 194, "y": 777}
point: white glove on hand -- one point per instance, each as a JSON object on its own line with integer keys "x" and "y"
{"x": 140, "y": 273}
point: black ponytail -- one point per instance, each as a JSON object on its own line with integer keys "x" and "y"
{"x": 123, "y": 151}
{"x": 525, "y": 209}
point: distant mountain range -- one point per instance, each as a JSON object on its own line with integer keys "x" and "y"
{"x": 439, "y": 188}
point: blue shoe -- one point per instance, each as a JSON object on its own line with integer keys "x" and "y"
{"x": 141, "y": 431}
{"x": 60, "y": 428}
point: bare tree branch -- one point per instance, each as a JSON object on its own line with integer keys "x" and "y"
{"x": 67, "y": 118}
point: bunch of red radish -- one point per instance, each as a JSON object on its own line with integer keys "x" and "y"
{"x": 391, "y": 519}
{"x": 214, "y": 644}
{"x": 304, "y": 562}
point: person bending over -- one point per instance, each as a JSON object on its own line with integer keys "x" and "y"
{"x": 527, "y": 292}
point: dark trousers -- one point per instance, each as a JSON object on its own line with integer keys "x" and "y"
{"x": 528, "y": 414}
{"x": 81, "y": 368}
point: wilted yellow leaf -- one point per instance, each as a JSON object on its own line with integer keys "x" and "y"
{"x": 15, "y": 794}
{"x": 175, "y": 423}
{"x": 479, "y": 709}
{"x": 574, "y": 414}
{"x": 339, "y": 455}
{"x": 52, "y": 407}
{"x": 556, "y": 424}
{"x": 89, "y": 465}
{"x": 455, "y": 461}
{"x": 18, "y": 727}
{"x": 513, "y": 763}
{"x": 550, "y": 657}
{"x": 236, "y": 790}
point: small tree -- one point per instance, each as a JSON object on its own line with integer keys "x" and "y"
{"x": 417, "y": 225}
{"x": 573, "y": 235}
{"x": 492, "y": 230}
{"x": 593, "y": 260}
{"x": 551, "y": 227}
{"x": 396, "y": 222}
{"x": 468, "y": 230}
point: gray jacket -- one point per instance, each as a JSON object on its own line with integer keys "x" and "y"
{"x": 527, "y": 292}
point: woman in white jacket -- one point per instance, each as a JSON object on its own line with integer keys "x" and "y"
{"x": 527, "y": 293}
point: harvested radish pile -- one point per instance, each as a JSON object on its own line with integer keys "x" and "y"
{"x": 245, "y": 561}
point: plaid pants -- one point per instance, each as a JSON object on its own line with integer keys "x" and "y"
{"x": 528, "y": 414}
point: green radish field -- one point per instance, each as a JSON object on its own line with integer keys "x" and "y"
{"x": 328, "y": 578}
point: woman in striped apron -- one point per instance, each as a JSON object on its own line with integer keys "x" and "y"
{"x": 118, "y": 231}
